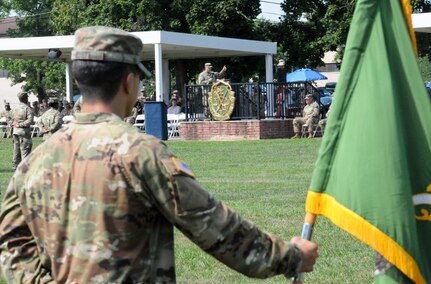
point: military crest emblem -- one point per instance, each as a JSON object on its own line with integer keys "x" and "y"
{"x": 221, "y": 100}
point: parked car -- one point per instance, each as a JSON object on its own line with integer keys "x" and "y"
{"x": 331, "y": 85}
{"x": 325, "y": 100}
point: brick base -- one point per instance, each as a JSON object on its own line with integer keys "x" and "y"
{"x": 236, "y": 129}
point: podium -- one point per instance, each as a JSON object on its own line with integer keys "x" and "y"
{"x": 156, "y": 123}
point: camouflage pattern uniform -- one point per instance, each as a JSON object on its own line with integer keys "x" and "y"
{"x": 310, "y": 117}
{"x": 132, "y": 118}
{"x": 42, "y": 110}
{"x": 22, "y": 142}
{"x": 49, "y": 122}
{"x": 99, "y": 201}
{"x": 206, "y": 78}
{"x": 78, "y": 105}
{"x": 6, "y": 114}
{"x": 66, "y": 112}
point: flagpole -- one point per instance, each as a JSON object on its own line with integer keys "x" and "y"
{"x": 307, "y": 230}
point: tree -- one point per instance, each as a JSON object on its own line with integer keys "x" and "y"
{"x": 425, "y": 67}
{"x": 229, "y": 18}
{"x": 38, "y": 76}
{"x": 313, "y": 27}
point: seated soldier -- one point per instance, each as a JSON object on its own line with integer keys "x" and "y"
{"x": 310, "y": 117}
{"x": 322, "y": 122}
{"x": 174, "y": 108}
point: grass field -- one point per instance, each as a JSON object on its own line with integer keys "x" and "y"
{"x": 266, "y": 181}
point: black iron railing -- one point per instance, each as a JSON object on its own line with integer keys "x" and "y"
{"x": 253, "y": 100}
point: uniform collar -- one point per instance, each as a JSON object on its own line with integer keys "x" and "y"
{"x": 95, "y": 117}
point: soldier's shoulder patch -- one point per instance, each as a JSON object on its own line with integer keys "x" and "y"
{"x": 181, "y": 167}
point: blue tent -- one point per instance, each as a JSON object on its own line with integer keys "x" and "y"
{"x": 76, "y": 97}
{"x": 304, "y": 75}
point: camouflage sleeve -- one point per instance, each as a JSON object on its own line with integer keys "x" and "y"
{"x": 220, "y": 74}
{"x": 29, "y": 120}
{"x": 201, "y": 79}
{"x": 216, "y": 228}
{"x": 56, "y": 124}
{"x": 316, "y": 110}
{"x": 19, "y": 257}
{"x": 39, "y": 123}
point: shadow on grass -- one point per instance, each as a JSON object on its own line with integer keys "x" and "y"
{"x": 6, "y": 170}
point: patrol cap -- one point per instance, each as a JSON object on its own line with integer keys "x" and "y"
{"x": 208, "y": 64}
{"x": 22, "y": 95}
{"x": 98, "y": 43}
{"x": 309, "y": 96}
{"x": 281, "y": 63}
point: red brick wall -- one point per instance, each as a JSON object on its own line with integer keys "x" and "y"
{"x": 236, "y": 129}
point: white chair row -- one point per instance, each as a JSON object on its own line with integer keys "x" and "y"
{"x": 140, "y": 122}
{"x": 5, "y": 130}
{"x": 174, "y": 121}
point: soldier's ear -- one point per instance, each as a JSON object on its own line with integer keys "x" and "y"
{"x": 129, "y": 82}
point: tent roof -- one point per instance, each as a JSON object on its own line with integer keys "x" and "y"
{"x": 422, "y": 22}
{"x": 174, "y": 46}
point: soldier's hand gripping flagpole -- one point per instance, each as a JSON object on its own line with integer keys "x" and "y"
{"x": 307, "y": 230}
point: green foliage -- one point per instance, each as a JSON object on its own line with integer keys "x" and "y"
{"x": 425, "y": 67}
{"x": 40, "y": 77}
{"x": 229, "y": 18}
{"x": 312, "y": 27}
{"x": 307, "y": 30}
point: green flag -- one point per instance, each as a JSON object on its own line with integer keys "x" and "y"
{"x": 373, "y": 174}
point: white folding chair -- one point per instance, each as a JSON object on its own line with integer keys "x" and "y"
{"x": 34, "y": 128}
{"x": 317, "y": 129}
{"x": 140, "y": 122}
{"x": 305, "y": 130}
{"x": 67, "y": 118}
{"x": 173, "y": 125}
{"x": 4, "y": 129}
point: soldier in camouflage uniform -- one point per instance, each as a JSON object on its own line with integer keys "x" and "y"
{"x": 43, "y": 107}
{"x": 50, "y": 121}
{"x": 78, "y": 105}
{"x": 6, "y": 113}
{"x": 208, "y": 77}
{"x": 98, "y": 202}
{"x": 21, "y": 119}
{"x": 67, "y": 109}
{"x": 311, "y": 117}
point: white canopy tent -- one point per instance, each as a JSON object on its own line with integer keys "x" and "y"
{"x": 422, "y": 22}
{"x": 160, "y": 46}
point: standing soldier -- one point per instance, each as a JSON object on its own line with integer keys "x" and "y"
{"x": 98, "y": 202}
{"x": 6, "y": 113}
{"x": 21, "y": 119}
{"x": 67, "y": 110}
{"x": 50, "y": 121}
{"x": 208, "y": 77}
{"x": 35, "y": 108}
{"x": 43, "y": 107}
{"x": 78, "y": 105}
